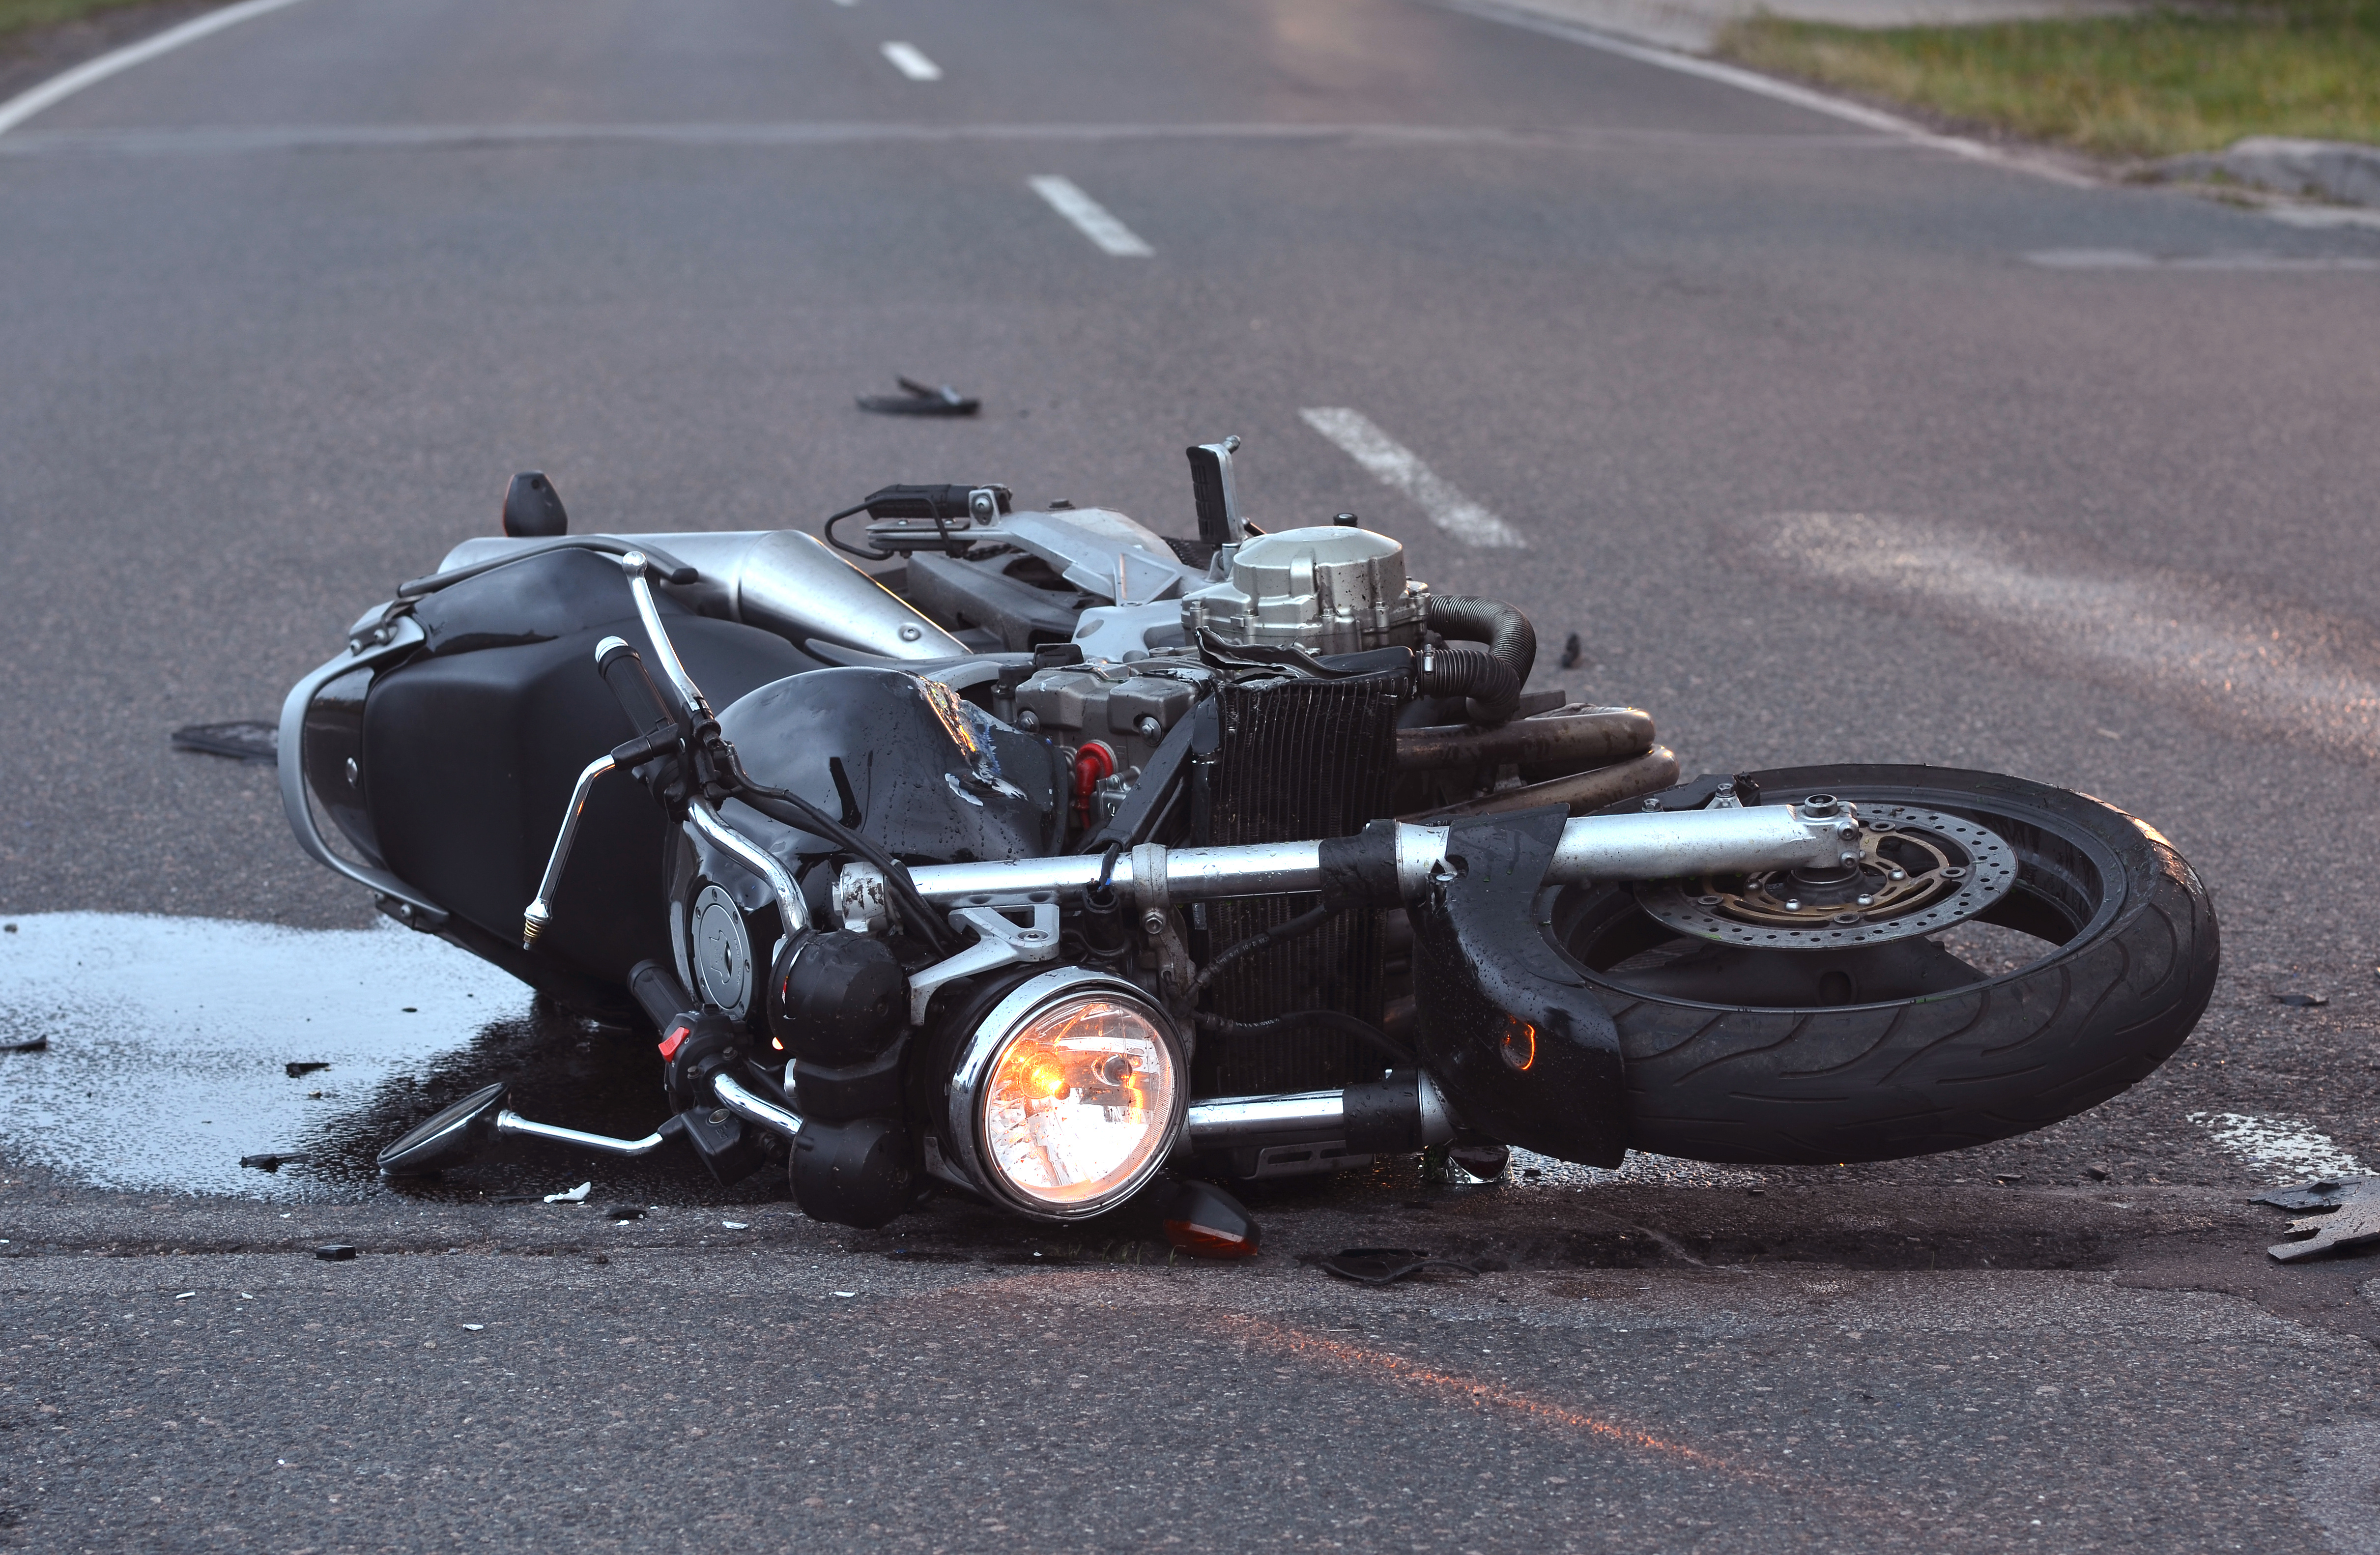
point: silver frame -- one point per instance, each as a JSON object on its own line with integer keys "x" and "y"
{"x": 963, "y": 1118}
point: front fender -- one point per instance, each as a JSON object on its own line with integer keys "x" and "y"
{"x": 1510, "y": 1029}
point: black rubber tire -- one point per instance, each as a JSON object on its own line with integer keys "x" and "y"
{"x": 2134, "y": 965}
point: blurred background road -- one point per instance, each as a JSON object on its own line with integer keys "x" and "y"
{"x": 1830, "y": 442}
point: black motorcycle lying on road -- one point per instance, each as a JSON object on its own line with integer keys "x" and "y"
{"x": 1055, "y": 856}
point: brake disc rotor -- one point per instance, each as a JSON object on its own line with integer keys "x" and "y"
{"x": 1918, "y": 871}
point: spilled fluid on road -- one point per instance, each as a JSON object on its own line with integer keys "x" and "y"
{"x": 170, "y": 1042}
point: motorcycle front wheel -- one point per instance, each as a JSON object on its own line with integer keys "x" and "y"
{"x": 2074, "y": 984}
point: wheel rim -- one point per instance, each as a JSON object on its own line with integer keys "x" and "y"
{"x": 1670, "y": 943}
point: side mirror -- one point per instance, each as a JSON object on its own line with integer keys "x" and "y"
{"x": 533, "y": 508}
{"x": 448, "y": 1138}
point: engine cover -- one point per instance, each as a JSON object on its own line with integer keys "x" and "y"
{"x": 1326, "y": 591}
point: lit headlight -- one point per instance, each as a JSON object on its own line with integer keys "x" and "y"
{"x": 1068, "y": 1094}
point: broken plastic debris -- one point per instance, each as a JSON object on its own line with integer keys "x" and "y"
{"x": 25, "y": 1045}
{"x": 571, "y": 1196}
{"x": 625, "y": 1212}
{"x": 2098, "y": 1170}
{"x": 334, "y": 1252}
{"x": 2302, "y": 1001}
{"x": 736, "y": 1225}
{"x": 1574, "y": 652}
{"x": 246, "y": 739}
{"x": 846, "y": 1293}
{"x": 295, "y": 1068}
{"x": 272, "y": 1161}
{"x": 473, "y": 1328}
{"x": 185, "y": 1295}
{"x": 921, "y": 399}
{"x": 1381, "y": 1265}
{"x": 2352, "y": 1221}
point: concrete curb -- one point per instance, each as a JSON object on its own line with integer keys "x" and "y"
{"x": 2337, "y": 170}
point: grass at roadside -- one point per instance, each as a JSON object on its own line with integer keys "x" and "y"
{"x": 19, "y": 15}
{"x": 2149, "y": 85}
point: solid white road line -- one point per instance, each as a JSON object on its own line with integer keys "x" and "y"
{"x": 1769, "y": 86}
{"x": 2131, "y": 259}
{"x": 57, "y": 89}
{"x": 2286, "y": 673}
{"x": 2281, "y": 1147}
{"x": 1092, "y": 219}
{"x": 911, "y": 62}
{"x": 1400, "y": 468}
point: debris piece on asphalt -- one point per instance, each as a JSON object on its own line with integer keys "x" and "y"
{"x": 2353, "y": 1220}
{"x": 921, "y": 399}
{"x": 334, "y": 1252}
{"x": 571, "y": 1196}
{"x": 473, "y": 1328}
{"x": 246, "y": 739}
{"x": 26, "y": 1045}
{"x": 185, "y": 1295}
{"x": 736, "y": 1225}
{"x": 1574, "y": 652}
{"x": 2302, "y": 1001}
{"x": 2097, "y": 1171}
{"x": 297, "y": 1068}
{"x": 1383, "y": 1266}
{"x": 625, "y": 1212}
{"x": 2008, "y": 1179}
{"x": 272, "y": 1161}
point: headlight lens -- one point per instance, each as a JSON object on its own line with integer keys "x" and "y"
{"x": 1079, "y": 1102}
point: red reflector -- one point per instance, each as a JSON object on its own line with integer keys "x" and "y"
{"x": 1205, "y": 1242}
{"x": 675, "y": 1040}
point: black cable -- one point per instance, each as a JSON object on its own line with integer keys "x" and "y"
{"x": 915, "y": 909}
{"x": 1362, "y": 1030}
{"x": 1302, "y": 924}
{"x": 1107, "y": 866}
{"x": 832, "y": 519}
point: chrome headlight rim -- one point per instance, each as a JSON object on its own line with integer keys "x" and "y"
{"x": 1017, "y": 1008}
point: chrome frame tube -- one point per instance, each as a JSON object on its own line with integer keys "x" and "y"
{"x": 541, "y": 910}
{"x": 755, "y": 1109}
{"x": 791, "y": 909}
{"x": 510, "y": 1121}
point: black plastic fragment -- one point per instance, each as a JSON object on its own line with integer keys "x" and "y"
{"x": 246, "y": 739}
{"x": 298, "y": 1068}
{"x": 625, "y": 1212}
{"x": 272, "y": 1161}
{"x": 921, "y": 399}
{"x": 335, "y": 1252}
{"x": 25, "y": 1044}
{"x": 1385, "y": 1266}
{"x": 1574, "y": 652}
{"x": 2302, "y": 1001}
{"x": 2346, "y": 1218}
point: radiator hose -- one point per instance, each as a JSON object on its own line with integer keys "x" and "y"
{"x": 1491, "y": 679}
{"x": 1504, "y": 629}
{"x": 1488, "y": 681}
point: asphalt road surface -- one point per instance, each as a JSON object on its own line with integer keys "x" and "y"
{"x": 1829, "y": 443}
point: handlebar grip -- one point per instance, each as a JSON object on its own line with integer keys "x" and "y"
{"x": 623, "y": 670}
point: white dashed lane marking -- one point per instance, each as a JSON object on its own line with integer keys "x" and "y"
{"x": 911, "y": 61}
{"x": 1401, "y": 469}
{"x": 1091, "y": 219}
{"x": 2131, "y": 259}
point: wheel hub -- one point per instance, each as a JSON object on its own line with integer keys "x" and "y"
{"x": 1918, "y": 871}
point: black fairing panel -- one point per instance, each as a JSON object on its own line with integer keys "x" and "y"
{"x": 470, "y": 756}
{"x": 1509, "y": 1027}
{"x": 933, "y": 779}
